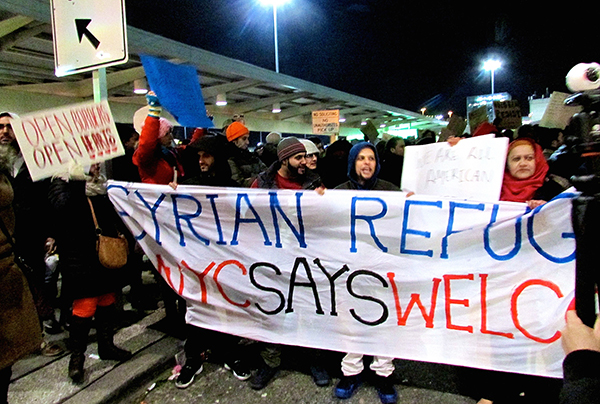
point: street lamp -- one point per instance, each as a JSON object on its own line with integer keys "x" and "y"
{"x": 491, "y": 66}
{"x": 275, "y": 3}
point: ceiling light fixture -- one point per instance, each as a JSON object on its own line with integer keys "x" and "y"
{"x": 221, "y": 100}
{"x": 140, "y": 86}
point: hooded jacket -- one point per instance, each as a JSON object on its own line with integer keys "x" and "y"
{"x": 374, "y": 183}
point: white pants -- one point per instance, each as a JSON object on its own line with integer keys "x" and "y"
{"x": 352, "y": 364}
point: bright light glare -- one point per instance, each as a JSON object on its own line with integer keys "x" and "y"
{"x": 492, "y": 65}
{"x": 275, "y": 3}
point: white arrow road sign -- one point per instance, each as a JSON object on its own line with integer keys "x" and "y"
{"x": 88, "y": 35}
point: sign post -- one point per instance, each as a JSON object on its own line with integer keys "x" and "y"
{"x": 88, "y": 35}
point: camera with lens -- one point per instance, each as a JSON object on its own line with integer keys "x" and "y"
{"x": 584, "y": 78}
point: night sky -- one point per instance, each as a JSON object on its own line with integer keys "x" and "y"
{"x": 409, "y": 55}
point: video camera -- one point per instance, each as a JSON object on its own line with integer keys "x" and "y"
{"x": 585, "y": 78}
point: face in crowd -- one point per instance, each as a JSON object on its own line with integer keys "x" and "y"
{"x": 365, "y": 165}
{"x": 7, "y": 136}
{"x": 311, "y": 161}
{"x": 167, "y": 140}
{"x": 521, "y": 161}
{"x": 296, "y": 165}
{"x": 243, "y": 141}
{"x": 205, "y": 161}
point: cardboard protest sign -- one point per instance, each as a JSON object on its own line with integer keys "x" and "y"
{"x": 178, "y": 90}
{"x": 473, "y": 169}
{"x": 477, "y": 117}
{"x": 422, "y": 278}
{"x": 52, "y": 140}
{"x": 557, "y": 114}
{"x": 509, "y": 113}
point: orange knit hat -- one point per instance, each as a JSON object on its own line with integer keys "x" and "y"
{"x": 236, "y": 130}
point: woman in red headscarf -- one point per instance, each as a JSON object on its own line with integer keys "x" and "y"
{"x": 525, "y": 177}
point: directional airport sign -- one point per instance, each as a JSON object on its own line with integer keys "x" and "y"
{"x": 88, "y": 35}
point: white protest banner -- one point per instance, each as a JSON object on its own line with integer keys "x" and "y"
{"x": 429, "y": 279}
{"x": 51, "y": 140}
{"x": 473, "y": 169}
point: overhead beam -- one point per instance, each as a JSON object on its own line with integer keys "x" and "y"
{"x": 13, "y": 23}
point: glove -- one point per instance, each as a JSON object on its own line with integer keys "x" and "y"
{"x": 154, "y": 104}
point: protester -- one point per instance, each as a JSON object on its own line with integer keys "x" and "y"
{"x": 363, "y": 167}
{"x": 268, "y": 152}
{"x": 245, "y": 165}
{"x": 213, "y": 170}
{"x": 392, "y": 161}
{"x": 312, "y": 154}
{"x": 319, "y": 143}
{"x": 525, "y": 178}
{"x": 333, "y": 167}
{"x": 123, "y": 168}
{"x": 20, "y": 331}
{"x": 90, "y": 286}
{"x": 155, "y": 156}
{"x": 158, "y": 162}
{"x": 290, "y": 172}
{"x": 581, "y": 384}
{"x": 33, "y": 228}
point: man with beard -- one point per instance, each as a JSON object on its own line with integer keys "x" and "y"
{"x": 289, "y": 172}
{"x": 32, "y": 226}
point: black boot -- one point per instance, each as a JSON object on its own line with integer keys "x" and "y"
{"x": 78, "y": 338}
{"x": 105, "y": 332}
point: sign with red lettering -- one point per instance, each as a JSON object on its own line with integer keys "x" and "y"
{"x": 53, "y": 140}
{"x": 466, "y": 283}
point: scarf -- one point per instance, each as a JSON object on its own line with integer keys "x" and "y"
{"x": 516, "y": 190}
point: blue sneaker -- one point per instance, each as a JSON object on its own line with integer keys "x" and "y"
{"x": 386, "y": 391}
{"x": 347, "y": 386}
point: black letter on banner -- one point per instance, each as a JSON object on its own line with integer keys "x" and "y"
{"x": 187, "y": 218}
{"x": 152, "y": 210}
{"x": 265, "y": 288}
{"x": 331, "y": 279}
{"x": 238, "y": 220}
{"x": 384, "y": 315}
{"x": 274, "y": 202}
{"x": 310, "y": 284}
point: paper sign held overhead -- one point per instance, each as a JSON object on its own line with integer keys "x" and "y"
{"x": 53, "y": 140}
{"x": 88, "y": 35}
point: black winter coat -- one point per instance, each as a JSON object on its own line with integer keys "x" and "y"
{"x": 83, "y": 275}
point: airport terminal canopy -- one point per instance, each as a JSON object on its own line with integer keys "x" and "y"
{"x": 28, "y": 81}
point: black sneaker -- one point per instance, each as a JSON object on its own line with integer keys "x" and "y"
{"x": 320, "y": 376}
{"x": 386, "y": 391}
{"x": 347, "y": 386}
{"x": 239, "y": 369}
{"x": 187, "y": 374}
{"x": 262, "y": 377}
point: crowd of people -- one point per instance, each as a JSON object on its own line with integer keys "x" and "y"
{"x": 53, "y": 218}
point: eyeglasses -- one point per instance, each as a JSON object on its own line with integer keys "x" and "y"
{"x": 5, "y": 125}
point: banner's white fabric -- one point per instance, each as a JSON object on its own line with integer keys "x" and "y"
{"x": 423, "y": 278}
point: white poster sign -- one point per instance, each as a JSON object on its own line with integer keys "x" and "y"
{"x": 473, "y": 169}
{"x": 326, "y": 122}
{"x": 54, "y": 139}
{"x": 430, "y": 279}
